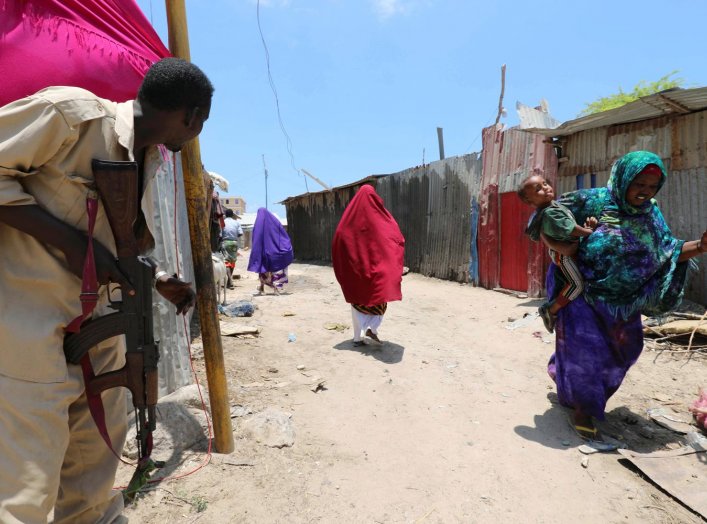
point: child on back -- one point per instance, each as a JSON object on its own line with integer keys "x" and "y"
{"x": 553, "y": 220}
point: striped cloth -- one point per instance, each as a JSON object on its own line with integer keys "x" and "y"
{"x": 378, "y": 309}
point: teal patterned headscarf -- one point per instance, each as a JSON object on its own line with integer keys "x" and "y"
{"x": 630, "y": 262}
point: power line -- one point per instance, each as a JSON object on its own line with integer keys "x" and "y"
{"x": 277, "y": 100}
{"x": 468, "y": 149}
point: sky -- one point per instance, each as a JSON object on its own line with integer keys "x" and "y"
{"x": 363, "y": 85}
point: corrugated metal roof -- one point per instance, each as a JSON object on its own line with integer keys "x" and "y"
{"x": 534, "y": 118}
{"x": 669, "y": 102}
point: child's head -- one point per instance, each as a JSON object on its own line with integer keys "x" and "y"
{"x": 535, "y": 190}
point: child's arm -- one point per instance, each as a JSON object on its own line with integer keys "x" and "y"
{"x": 584, "y": 231}
{"x": 563, "y": 248}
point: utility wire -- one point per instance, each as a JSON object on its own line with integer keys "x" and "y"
{"x": 277, "y": 100}
{"x": 468, "y": 149}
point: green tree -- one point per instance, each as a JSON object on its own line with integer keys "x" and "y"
{"x": 643, "y": 88}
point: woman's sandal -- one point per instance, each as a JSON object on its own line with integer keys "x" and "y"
{"x": 589, "y": 433}
{"x": 586, "y": 433}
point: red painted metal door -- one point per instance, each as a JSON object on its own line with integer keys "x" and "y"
{"x": 514, "y": 242}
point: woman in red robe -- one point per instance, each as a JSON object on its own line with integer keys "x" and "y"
{"x": 367, "y": 253}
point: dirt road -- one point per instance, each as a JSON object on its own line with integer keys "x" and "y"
{"x": 453, "y": 419}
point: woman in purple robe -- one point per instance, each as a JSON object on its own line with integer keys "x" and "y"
{"x": 631, "y": 265}
{"x": 271, "y": 251}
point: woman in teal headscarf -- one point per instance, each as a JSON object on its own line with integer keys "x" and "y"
{"x": 631, "y": 264}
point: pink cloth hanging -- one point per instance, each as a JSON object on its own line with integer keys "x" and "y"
{"x": 105, "y": 46}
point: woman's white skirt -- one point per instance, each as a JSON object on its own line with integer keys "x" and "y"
{"x": 363, "y": 322}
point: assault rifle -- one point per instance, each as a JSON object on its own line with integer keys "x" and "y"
{"x": 117, "y": 185}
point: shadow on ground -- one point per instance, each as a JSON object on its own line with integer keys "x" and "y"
{"x": 389, "y": 352}
{"x": 553, "y": 429}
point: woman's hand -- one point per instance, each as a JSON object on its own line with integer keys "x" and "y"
{"x": 693, "y": 248}
{"x": 178, "y": 292}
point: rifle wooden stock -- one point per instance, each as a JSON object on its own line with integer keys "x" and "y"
{"x": 117, "y": 183}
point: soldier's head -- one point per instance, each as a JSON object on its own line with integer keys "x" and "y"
{"x": 174, "y": 101}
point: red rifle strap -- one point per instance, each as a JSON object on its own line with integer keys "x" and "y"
{"x": 95, "y": 405}
{"x": 89, "y": 281}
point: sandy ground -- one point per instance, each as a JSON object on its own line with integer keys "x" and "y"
{"x": 453, "y": 419}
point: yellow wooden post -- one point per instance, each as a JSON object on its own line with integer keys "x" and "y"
{"x": 197, "y": 199}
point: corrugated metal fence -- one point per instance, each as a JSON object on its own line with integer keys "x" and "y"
{"x": 431, "y": 203}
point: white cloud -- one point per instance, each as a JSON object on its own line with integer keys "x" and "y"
{"x": 388, "y": 8}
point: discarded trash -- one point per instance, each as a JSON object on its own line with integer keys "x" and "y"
{"x": 543, "y": 337}
{"x": 288, "y": 314}
{"x": 668, "y": 419}
{"x": 335, "y": 326}
{"x": 699, "y": 409}
{"x": 291, "y": 337}
{"x": 318, "y": 385}
{"x": 240, "y": 308}
{"x": 233, "y": 328}
{"x": 300, "y": 367}
{"x": 596, "y": 446}
{"x": 696, "y": 440}
{"x": 585, "y": 462}
{"x": 523, "y": 321}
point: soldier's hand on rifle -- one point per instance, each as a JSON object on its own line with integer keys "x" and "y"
{"x": 177, "y": 292}
{"x": 107, "y": 269}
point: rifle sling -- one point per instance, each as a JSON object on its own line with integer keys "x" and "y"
{"x": 89, "y": 299}
{"x": 95, "y": 404}
{"x": 89, "y": 280}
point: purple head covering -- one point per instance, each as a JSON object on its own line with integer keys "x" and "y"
{"x": 272, "y": 249}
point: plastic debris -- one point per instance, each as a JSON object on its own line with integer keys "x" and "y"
{"x": 240, "y": 308}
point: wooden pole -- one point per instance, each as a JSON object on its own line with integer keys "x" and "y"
{"x": 197, "y": 199}
{"x": 503, "y": 89}
{"x": 440, "y": 142}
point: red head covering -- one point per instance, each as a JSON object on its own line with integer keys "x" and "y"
{"x": 368, "y": 251}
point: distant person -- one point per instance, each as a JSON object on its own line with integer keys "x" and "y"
{"x": 631, "y": 265}
{"x": 232, "y": 232}
{"x": 271, "y": 252}
{"x": 555, "y": 222}
{"x": 52, "y": 455}
{"x": 367, "y": 253}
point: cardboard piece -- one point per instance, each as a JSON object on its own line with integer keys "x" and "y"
{"x": 680, "y": 472}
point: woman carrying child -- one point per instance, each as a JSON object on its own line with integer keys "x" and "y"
{"x": 631, "y": 264}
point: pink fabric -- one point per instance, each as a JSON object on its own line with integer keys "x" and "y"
{"x": 105, "y": 46}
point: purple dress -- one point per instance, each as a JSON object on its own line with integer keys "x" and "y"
{"x": 271, "y": 247}
{"x": 593, "y": 352}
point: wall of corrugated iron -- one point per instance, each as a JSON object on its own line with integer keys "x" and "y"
{"x": 431, "y": 203}
{"x": 681, "y": 141}
{"x": 508, "y": 157}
